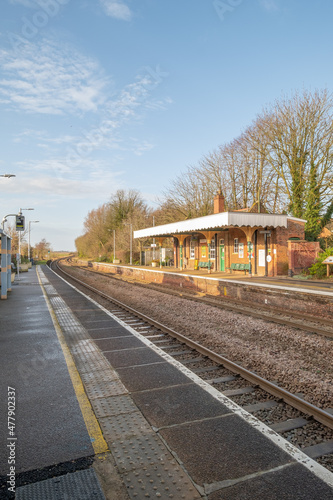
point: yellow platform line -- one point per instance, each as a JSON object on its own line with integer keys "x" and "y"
{"x": 97, "y": 440}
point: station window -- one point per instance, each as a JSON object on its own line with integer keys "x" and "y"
{"x": 236, "y": 245}
{"x": 192, "y": 249}
{"x": 212, "y": 249}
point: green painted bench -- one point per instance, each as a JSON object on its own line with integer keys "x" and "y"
{"x": 239, "y": 267}
{"x": 205, "y": 265}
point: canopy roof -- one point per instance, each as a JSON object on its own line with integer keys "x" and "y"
{"x": 221, "y": 220}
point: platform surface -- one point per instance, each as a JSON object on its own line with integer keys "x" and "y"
{"x": 167, "y": 431}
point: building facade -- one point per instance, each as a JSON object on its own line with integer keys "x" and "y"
{"x": 231, "y": 241}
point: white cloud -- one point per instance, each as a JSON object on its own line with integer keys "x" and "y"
{"x": 52, "y": 79}
{"x": 117, "y": 9}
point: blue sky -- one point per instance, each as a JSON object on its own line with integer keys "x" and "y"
{"x": 100, "y": 95}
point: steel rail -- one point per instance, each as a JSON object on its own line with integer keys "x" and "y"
{"x": 296, "y": 402}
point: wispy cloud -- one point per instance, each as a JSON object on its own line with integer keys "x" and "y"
{"x": 50, "y": 79}
{"x": 269, "y": 5}
{"x": 139, "y": 148}
{"x": 96, "y": 181}
{"x": 117, "y": 9}
{"x": 26, "y": 3}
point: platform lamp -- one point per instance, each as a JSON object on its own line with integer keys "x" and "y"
{"x": 29, "y": 228}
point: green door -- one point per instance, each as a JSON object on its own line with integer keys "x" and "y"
{"x": 222, "y": 268}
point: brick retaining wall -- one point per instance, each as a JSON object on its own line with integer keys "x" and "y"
{"x": 285, "y": 299}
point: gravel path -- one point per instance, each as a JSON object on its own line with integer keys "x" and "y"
{"x": 297, "y": 361}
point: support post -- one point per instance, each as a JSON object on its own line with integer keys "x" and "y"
{"x": 3, "y": 266}
{"x": 9, "y": 265}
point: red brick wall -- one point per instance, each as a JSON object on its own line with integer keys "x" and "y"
{"x": 295, "y": 229}
{"x": 302, "y": 254}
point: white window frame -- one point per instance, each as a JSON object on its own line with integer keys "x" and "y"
{"x": 192, "y": 249}
{"x": 236, "y": 245}
{"x": 212, "y": 249}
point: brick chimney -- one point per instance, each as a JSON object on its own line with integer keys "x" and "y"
{"x": 218, "y": 203}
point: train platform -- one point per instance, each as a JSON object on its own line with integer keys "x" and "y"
{"x": 296, "y": 284}
{"x": 92, "y": 410}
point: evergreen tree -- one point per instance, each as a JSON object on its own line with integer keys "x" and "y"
{"x": 313, "y": 207}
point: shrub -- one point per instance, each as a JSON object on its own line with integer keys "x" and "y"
{"x": 318, "y": 269}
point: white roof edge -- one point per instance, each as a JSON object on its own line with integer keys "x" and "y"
{"x": 222, "y": 219}
{"x": 295, "y": 218}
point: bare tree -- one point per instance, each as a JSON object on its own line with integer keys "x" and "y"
{"x": 299, "y": 134}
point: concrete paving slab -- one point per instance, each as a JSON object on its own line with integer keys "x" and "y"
{"x": 118, "y": 343}
{"x": 106, "y": 330}
{"x": 228, "y": 449}
{"x": 174, "y": 405}
{"x": 132, "y": 357}
{"x": 291, "y": 483}
{"x": 140, "y": 378}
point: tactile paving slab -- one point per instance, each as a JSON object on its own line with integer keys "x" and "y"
{"x": 171, "y": 483}
{"x": 103, "y": 376}
{"x": 143, "y": 452}
{"x": 99, "y": 389}
{"x": 80, "y": 485}
{"x": 114, "y": 405}
{"x": 120, "y": 427}
{"x": 90, "y": 362}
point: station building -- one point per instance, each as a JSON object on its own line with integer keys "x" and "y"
{"x": 258, "y": 243}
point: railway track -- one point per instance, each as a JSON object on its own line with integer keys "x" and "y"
{"x": 305, "y": 425}
{"x": 293, "y": 319}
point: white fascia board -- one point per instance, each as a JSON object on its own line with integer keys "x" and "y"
{"x": 215, "y": 221}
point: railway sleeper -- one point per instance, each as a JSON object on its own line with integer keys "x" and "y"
{"x": 289, "y": 425}
{"x": 318, "y": 450}
{"x": 237, "y": 392}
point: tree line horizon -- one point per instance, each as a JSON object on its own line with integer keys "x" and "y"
{"x": 281, "y": 163}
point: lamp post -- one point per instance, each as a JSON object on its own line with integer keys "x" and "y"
{"x": 29, "y": 225}
{"x": 19, "y": 252}
{"x": 131, "y": 236}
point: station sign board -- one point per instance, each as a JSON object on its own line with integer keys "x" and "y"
{"x": 20, "y": 223}
{"x": 328, "y": 260}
